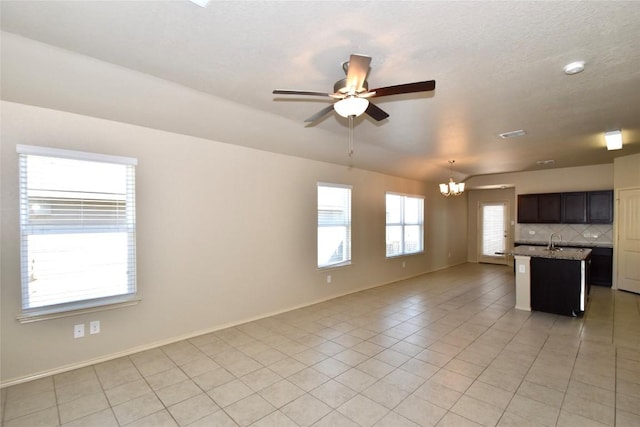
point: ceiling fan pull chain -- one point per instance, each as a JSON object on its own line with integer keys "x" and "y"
{"x": 350, "y": 136}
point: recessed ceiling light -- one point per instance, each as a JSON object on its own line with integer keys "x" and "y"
{"x": 574, "y": 68}
{"x": 512, "y": 134}
{"x": 545, "y": 162}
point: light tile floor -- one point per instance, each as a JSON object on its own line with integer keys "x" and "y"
{"x": 445, "y": 348}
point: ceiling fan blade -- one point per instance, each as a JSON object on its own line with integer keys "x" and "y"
{"x": 299, "y": 92}
{"x": 376, "y": 112}
{"x": 320, "y": 114}
{"x": 358, "y": 70}
{"x": 425, "y": 86}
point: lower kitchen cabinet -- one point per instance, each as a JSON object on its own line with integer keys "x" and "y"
{"x": 601, "y": 266}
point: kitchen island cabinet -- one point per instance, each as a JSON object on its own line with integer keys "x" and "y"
{"x": 600, "y": 267}
{"x": 553, "y": 281}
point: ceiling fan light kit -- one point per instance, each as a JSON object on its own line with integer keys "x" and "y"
{"x": 452, "y": 188}
{"x": 351, "y": 106}
{"x": 353, "y": 94}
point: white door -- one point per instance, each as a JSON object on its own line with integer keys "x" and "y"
{"x": 628, "y": 248}
{"x": 492, "y": 227}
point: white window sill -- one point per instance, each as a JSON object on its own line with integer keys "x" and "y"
{"x": 38, "y": 315}
{"x": 333, "y": 266}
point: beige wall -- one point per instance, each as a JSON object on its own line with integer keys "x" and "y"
{"x": 225, "y": 234}
{"x": 627, "y": 171}
{"x": 583, "y": 178}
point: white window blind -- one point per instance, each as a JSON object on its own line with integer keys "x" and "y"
{"x": 77, "y": 226}
{"x": 493, "y": 232}
{"x": 334, "y": 225}
{"x": 405, "y": 224}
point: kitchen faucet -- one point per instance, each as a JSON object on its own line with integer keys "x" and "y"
{"x": 551, "y": 246}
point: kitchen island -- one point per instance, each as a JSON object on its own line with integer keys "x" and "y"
{"x": 554, "y": 280}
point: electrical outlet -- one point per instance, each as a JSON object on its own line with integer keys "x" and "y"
{"x": 404, "y": 264}
{"x": 94, "y": 327}
{"x": 78, "y": 331}
{"x": 328, "y": 278}
{"x": 521, "y": 269}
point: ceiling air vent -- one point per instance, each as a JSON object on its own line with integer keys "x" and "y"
{"x": 512, "y": 134}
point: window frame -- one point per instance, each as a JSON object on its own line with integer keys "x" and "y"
{"x": 347, "y": 260}
{"x": 403, "y": 224}
{"x": 30, "y": 227}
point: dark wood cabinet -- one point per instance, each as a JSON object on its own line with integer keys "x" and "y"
{"x": 536, "y": 208}
{"x": 556, "y": 286}
{"x": 580, "y": 207}
{"x": 601, "y": 266}
{"x": 549, "y": 207}
{"x": 528, "y": 208}
{"x": 574, "y": 208}
{"x": 600, "y": 207}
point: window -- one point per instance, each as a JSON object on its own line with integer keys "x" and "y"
{"x": 405, "y": 218}
{"x": 77, "y": 230}
{"x": 334, "y": 225}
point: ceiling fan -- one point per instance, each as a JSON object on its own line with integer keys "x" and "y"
{"x": 353, "y": 92}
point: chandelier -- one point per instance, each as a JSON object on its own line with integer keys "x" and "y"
{"x": 452, "y": 188}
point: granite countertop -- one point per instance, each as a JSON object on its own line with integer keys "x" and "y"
{"x": 560, "y": 253}
{"x": 566, "y": 244}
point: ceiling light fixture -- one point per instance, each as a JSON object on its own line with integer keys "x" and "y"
{"x": 512, "y": 134}
{"x": 451, "y": 189}
{"x": 613, "y": 139}
{"x": 351, "y": 106}
{"x": 201, "y": 3}
{"x": 573, "y": 68}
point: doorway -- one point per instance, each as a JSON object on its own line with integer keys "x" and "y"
{"x": 628, "y": 247}
{"x": 493, "y": 232}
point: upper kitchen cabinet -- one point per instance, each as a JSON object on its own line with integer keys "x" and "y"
{"x": 574, "y": 208}
{"x": 528, "y": 208}
{"x": 592, "y": 207}
{"x": 536, "y": 208}
{"x": 600, "y": 207}
{"x": 549, "y": 207}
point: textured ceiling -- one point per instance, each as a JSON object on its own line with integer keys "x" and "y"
{"x": 498, "y": 68}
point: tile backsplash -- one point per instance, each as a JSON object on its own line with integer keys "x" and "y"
{"x": 592, "y": 234}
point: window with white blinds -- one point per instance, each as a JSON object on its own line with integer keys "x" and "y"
{"x": 334, "y": 225}
{"x": 77, "y": 229}
{"x": 405, "y": 224}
